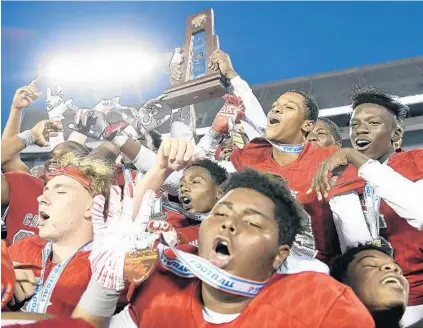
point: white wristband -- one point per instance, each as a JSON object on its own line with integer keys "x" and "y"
{"x": 98, "y": 300}
{"x": 26, "y": 137}
{"x": 119, "y": 141}
{"x": 145, "y": 159}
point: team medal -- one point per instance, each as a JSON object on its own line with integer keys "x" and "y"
{"x": 139, "y": 265}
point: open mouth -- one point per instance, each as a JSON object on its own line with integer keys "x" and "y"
{"x": 44, "y": 217}
{"x": 273, "y": 121}
{"x": 186, "y": 202}
{"x": 362, "y": 144}
{"x": 393, "y": 281}
{"x": 221, "y": 253}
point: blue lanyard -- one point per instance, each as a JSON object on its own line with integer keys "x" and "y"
{"x": 290, "y": 149}
{"x": 127, "y": 174}
{"x": 43, "y": 291}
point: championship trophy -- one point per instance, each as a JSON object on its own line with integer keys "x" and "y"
{"x": 198, "y": 83}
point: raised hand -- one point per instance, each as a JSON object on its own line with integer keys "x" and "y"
{"x": 94, "y": 124}
{"x": 175, "y": 66}
{"x": 45, "y": 129}
{"x": 119, "y": 235}
{"x": 26, "y": 96}
{"x": 148, "y": 114}
{"x": 221, "y": 62}
{"x": 232, "y": 110}
{"x": 175, "y": 154}
{"x": 56, "y": 104}
{"x": 107, "y": 106}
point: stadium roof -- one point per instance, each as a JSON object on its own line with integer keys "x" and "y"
{"x": 331, "y": 90}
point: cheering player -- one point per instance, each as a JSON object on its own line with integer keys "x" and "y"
{"x": 65, "y": 232}
{"x": 283, "y": 152}
{"x": 377, "y": 280}
{"x": 325, "y": 133}
{"x": 378, "y": 196}
{"x": 241, "y": 244}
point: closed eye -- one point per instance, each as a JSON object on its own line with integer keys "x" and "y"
{"x": 253, "y": 224}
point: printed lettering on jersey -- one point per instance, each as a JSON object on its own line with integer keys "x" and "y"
{"x": 31, "y": 220}
{"x": 21, "y": 234}
{"x": 304, "y": 244}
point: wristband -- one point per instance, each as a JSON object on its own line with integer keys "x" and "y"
{"x": 120, "y": 140}
{"x": 145, "y": 159}
{"x": 216, "y": 135}
{"x": 98, "y": 300}
{"x": 26, "y": 137}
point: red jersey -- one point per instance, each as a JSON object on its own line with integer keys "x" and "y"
{"x": 72, "y": 282}
{"x": 257, "y": 154}
{"x": 303, "y": 300}
{"x": 185, "y": 227}
{"x": 406, "y": 240}
{"x": 22, "y": 213}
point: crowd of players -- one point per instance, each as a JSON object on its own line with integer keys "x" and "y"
{"x": 265, "y": 221}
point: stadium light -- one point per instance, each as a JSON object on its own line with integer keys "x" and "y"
{"x": 102, "y": 66}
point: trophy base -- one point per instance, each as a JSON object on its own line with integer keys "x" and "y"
{"x": 196, "y": 91}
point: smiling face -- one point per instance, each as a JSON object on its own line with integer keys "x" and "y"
{"x": 321, "y": 135}
{"x": 378, "y": 281}
{"x": 286, "y": 121}
{"x": 241, "y": 235}
{"x": 198, "y": 192}
{"x": 373, "y": 130}
{"x": 64, "y": 208}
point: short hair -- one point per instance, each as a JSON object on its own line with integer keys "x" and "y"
{"x": 335, "y": 130}
{"x": 72, "y": 146}
{"x": 288, "y": 213}
{"x": 372, "y": 95}
{"x": 312, "y": 109}
{"x": 339, "y": 265}
{"x": 157, "y": 138}
{"x": 217, "y": 173}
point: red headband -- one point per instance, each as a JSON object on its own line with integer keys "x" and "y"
{"x": 71, "y": 172}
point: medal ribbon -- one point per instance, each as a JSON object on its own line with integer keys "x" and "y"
{"x": 43, "y": 291}
{"x": 290, "y": 149}
{"x": 127, "y": 174}
{"x": 372, "y": 215}
{"x": 187, "y": 265}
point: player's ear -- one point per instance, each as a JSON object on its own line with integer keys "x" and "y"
{"x": 281, "y": 255}
{"x": 308, "y": 126}
{"x": 88, "y": 209}
{"x": 220, "y": 192}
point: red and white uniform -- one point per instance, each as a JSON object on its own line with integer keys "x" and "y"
{"x": 400, "y": 186}
{"x": 72, "y": 282}
{"x": 309, "y": 300}
{"x": 257, "y": 154}
{"x": 22, "y": 214}
{"x": 187, "y": 228}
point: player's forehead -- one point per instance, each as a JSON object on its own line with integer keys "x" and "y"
{"x": 196, "y": 171}
{"x": 64, "y": 182}
{"x": 371, "y": 255}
